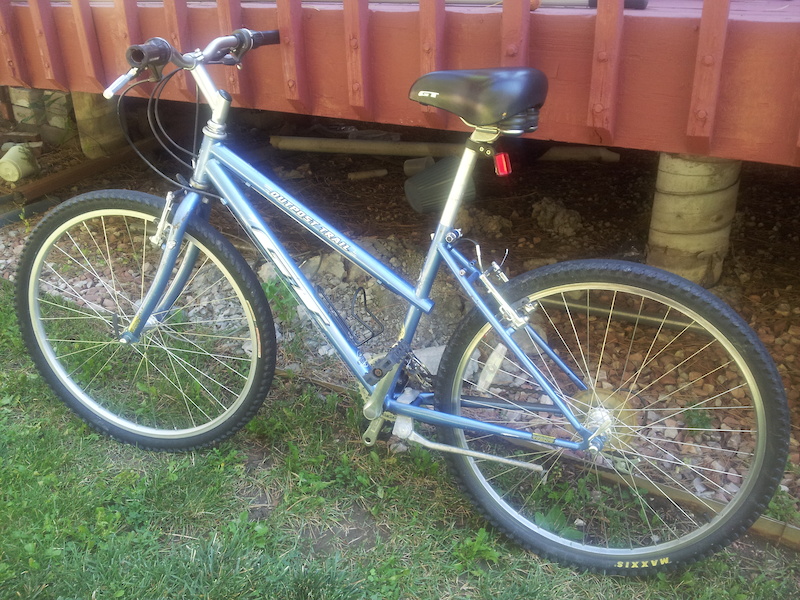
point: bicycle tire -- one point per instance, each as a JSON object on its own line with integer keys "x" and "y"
{"x": 201, "y": 369}
{"x": 699, "y": 424}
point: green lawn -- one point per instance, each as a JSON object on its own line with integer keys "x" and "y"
{"x": 295, "y": 507}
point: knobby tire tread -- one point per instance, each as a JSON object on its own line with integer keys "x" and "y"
{"x": 675, "y": 288}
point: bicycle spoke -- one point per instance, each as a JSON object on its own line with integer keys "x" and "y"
{"x": 673, "y": 402}
{"x": 190, "y": 369}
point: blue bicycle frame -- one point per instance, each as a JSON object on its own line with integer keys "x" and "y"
{"x": 221, "y": 168}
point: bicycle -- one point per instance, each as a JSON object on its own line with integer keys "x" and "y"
{"x": 604, "y": 414}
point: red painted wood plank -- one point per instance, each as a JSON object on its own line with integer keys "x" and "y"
{"x": 125, "y": 31}
{"x": 44, "y": 29}
{"x": 229, "y": 16}
{"x": 356, "y": 33}
{"x": 293, "y": 53}
{"x": 176, "y": 16}
{"x": 515, "y": 36}
{"x": 432, "y": 17}
{"x": 87, "y": 44}
{"x": 707, "y": 74}
{"x": 431, "y": 35}
{"x": 606, "y": 58}
{"x": 756, "y": 117}
{"x": 10, "y": 46}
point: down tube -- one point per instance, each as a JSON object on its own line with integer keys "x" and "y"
{"x": 316, "y": 225}
{"x": 294, "y": 277}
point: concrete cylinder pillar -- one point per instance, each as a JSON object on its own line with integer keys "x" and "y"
{"x": 98, "y": 126}
{"x": 693, "y": 208}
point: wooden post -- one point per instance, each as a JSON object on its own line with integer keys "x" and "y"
{"x": 47, "y": 41}
{"x": 516, "y": 27}
{"x": 356, "y": 33}
{"x": 707, "y": 74}
{"x": 229, "y": 16}
{"x": 127, "y": 31}
{"x": 693, "y": 209}
{"x": 176, "y": 15}
{"x": 293, "y": 53}
{"x": 10, "y": 46}
{"x": 432, "y": 15}
{"x": 605, "y": 68}
{"x": 87, "y": 44}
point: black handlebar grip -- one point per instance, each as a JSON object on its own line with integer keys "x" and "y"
{"x": 155, "y": 52}
{"x": 266, "y": 38}
{"x": 635, "y": 4}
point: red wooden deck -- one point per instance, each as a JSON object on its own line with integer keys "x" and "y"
{"x": 720, "y": 77}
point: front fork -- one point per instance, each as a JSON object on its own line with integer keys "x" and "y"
{"x": 162, "y": 294}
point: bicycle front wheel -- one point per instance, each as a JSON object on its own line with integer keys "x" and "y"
{"x": 202, "y": 366}
{"x": 691, "y": 413}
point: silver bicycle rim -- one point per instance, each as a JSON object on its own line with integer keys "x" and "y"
{"x": 246, "y": 367}
{"x": 659, "y": 548}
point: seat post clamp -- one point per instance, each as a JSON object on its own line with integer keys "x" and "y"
{"x": 484, "y": 149}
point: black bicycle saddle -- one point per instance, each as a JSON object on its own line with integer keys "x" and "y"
{"x": 482, "y": 96}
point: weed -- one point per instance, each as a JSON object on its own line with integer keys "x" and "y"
{"x": 281, "y": 300}
{"x": 386, "y": 578}
{"x": 472, "y": 551}
{"x": 82, "y": 516}
{"x": 784, "y": 507}
{"x": 697, "y": 418}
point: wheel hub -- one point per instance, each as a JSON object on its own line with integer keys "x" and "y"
{"x": 612, "y": 411}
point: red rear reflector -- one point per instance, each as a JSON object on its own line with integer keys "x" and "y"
{"x": 502, "y": 164}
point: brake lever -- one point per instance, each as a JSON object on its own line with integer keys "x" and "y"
{"x": 120, "y": 82}
{"x": 231, "y": 60}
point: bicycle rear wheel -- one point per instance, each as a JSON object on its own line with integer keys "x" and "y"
{"x": 201, "y": 369}
{"x": 697, "y": 433}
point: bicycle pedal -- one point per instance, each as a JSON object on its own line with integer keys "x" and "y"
{"x": 384, "y": 365}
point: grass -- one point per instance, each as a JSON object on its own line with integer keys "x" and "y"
{"x": 294, "y": 507}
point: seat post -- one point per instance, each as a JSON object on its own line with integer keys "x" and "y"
{"x": 480, "y": 136}
{"x": 472, "y": 151}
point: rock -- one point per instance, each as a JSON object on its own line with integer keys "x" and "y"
{"x": 554, "y": 217}
{"x": 430, "y": 357}
{"x": 267, "y": 271}
{"x": 310, "y": 267}
{"x": 332, "y": 265}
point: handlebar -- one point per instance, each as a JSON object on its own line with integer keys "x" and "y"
{"x": 157, "y": 52}
{"x": 262, "y": 38}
